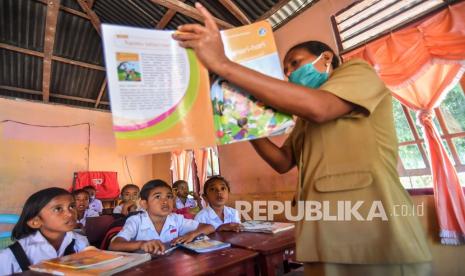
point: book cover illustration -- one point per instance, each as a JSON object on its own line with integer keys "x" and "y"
{"x": 237, "y": 115}
{"x": 91, "y": 262}
{"x": 83, "y": 260}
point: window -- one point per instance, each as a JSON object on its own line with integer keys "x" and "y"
{"x": 413, "y": 167}
{"x": 182, "y": 165}
{"x": 213, "y": 166}
{"x": 366, "y": 20}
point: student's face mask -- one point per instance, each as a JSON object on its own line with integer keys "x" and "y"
{"x": 307, "y": 75}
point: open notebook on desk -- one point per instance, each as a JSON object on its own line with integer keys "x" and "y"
{"x": 266, "y": 226}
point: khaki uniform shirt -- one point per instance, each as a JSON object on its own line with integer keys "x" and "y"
{"x": 349, "y": 159}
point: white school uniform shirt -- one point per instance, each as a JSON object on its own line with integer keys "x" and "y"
{"x": 208, "y": 216}
{"x": 87, "y": 214}
{"x": 96, "y": 205}
{"x": 140, "y": 228}
{"x": 190, "y": 203}
{"x": 118, "y": 209}
{"x": 38, "y": 249}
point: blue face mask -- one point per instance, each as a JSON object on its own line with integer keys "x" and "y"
{"x": 307, "y": 75}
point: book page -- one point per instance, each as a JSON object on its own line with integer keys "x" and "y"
{"x": 158, "y": 92}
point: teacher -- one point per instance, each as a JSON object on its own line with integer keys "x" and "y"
{"x": 345, "y": 147}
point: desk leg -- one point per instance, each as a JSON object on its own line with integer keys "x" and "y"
{"x": 270, "y": 263}
{"x": 250, "y": 268}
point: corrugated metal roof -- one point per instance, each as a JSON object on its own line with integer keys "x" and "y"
{"x": 289, "y": 11}
{"x": 22, "y": 24}
{"x": 77, "y": 39}
{"x": 20, "y": 70}
{"x": 255, "y": 9}
{"x": 72, "y": 80}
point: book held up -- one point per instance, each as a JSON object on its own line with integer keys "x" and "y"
{"x": 160, "y": 93}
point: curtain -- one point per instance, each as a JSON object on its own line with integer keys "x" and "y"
{"x": 201, "y": 159}
{"x": 420, "y": 64}
{"x": 181, "y": 164}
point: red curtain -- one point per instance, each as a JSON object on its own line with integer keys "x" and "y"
{"x": 420, "y": 64}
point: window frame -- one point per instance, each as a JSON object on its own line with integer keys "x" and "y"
{"x": 403, "y": 172}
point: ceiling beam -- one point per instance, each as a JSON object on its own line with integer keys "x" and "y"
{"x": 92, "y": 15}
{"x": 68, "y": 10}
{"x": 236, "y": 11}
{"x": 79, "y": 63}
{"x": 53, "y": 95}
{"x": 50, "y": 29}
{"x": 75, "y": 12}
{"x": 274, "y": 9}
{"x": 21, "y": 50}
{"x": 90, "y": 3}
{"x": 188, "y": 10}
{"x": 166, "y": 18}
{"x": 100, "y": 94}
{"x": 55, "y": 58}
{"x": 86, "y": 5}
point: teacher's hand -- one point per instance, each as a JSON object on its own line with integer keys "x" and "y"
{"x": 204, "y": 40}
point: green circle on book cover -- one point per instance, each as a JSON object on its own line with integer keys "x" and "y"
{"x": 181, "y": 109}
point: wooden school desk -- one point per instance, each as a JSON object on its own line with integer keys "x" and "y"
{"x": 229, "y": 261}
{"x": 272, "y": 248}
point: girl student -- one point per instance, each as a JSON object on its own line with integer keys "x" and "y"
{"x": 216, "y": 192}
{"x": 44, "y": 231}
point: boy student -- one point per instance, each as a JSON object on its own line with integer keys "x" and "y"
{"x": 148, "y": 230}
{"x": 182, "y": 191}
{"x": 129, "y": 200}
{"x": 83, "y": 211}
{"x": 94, "y": 203}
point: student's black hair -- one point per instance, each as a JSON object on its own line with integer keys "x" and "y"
{"x": 81, "y": 191}
{"x": 316, "y": 48}
{"x": 212, "y": 179}
{"x": 152, "y": 184}
{"x": 34, "y": 204}
{"x": 178, "y": 182}
{"x": 127, "y": 186}
{"x": 90, "y": 187}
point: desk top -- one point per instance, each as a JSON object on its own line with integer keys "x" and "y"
{"x": 183, "y": 262}
{"x": 260, "y": 242}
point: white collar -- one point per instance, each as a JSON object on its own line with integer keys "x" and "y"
{"x": 147, "y": 223}
{"x": 213, "y": 215}
{"x": 37, "y": 238}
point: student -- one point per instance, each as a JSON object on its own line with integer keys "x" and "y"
{"x": 129, "y": 200}
{"x": 148, "y": 230}
{"x": 81, "y": 197}
{"x": 44, "y": 231}
{"x": 341, "y": 108}
{"x": 182, "y": 199}
{"x": 94, "y": 203}
{"x": 216, "y": 192}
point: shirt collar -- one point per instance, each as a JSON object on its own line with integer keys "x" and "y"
{"x": 146, "y": 222}
{"x": 212, "y": 214}
{"x": 37, "y": 238}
